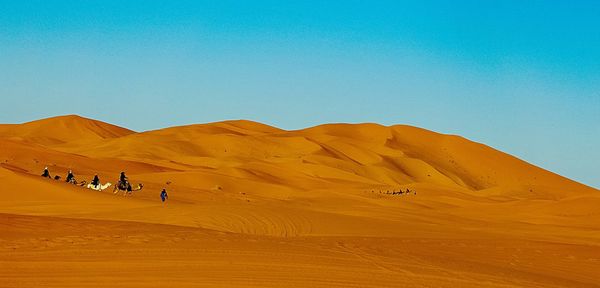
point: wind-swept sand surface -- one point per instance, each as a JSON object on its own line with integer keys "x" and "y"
{"x": 255, "y": 206}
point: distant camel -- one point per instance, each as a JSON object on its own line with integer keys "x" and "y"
{"x": 126, "y": 188}
{"x": 74, "y": 182}
{"x": 98, "y": 187}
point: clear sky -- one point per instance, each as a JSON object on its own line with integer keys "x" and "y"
{"x": 520, "y": 76}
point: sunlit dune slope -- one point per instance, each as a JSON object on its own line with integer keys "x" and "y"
{"x": 337, "y": 172}
{"x": 62, "y": 129}
{"x": 363, "y": 154}
{"x": 31, "y": 158}
{"x": 252, "y": 205}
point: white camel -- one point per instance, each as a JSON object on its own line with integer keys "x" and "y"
{"x": 98, "y": 187}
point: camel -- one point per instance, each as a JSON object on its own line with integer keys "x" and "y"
{"x": 100, "y": 187}
{"x": 127, "y": 189}
{"x": 74, "y": 182}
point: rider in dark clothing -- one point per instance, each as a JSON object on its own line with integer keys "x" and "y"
{"x": 96, "y": 181}
{"x": 163, "y": 195}
{"x": 46, "y": 173}
{"x": 123, "y": 180}
{"x": 70, "y": 177}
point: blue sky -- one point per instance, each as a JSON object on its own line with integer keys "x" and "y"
{"x": 520, "y": 76}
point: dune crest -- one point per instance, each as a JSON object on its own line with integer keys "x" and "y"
{"x": 62, "y": 129}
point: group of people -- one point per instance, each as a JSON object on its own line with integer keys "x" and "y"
{"x": 71, "y": 177}
{"x": 123, "y": 181}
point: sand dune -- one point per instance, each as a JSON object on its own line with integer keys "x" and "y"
{"x": 62, "y": 129}
{"x": 255, "y": 206}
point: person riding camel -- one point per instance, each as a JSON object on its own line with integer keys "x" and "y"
{"x": 46, "y": 173}
{"x": 123, "y": 180}
{"x": 70, "y": 177}
{"x": 95, "y": 181}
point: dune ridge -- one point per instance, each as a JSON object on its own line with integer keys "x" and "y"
{"x": 62, "y": 129}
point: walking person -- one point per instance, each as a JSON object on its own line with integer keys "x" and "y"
{"x": 163, "y": 195}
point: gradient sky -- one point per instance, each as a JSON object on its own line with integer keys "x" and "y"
{"x": 520, "y": 76}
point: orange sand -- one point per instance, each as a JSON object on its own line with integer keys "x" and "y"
{"x": 255, "y": 206}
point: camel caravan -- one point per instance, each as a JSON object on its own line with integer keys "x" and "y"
{"x": 394, "y": 192}
{"x": 123, "y": 184}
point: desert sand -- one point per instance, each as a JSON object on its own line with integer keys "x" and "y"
{"x": 252, "y": 205}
